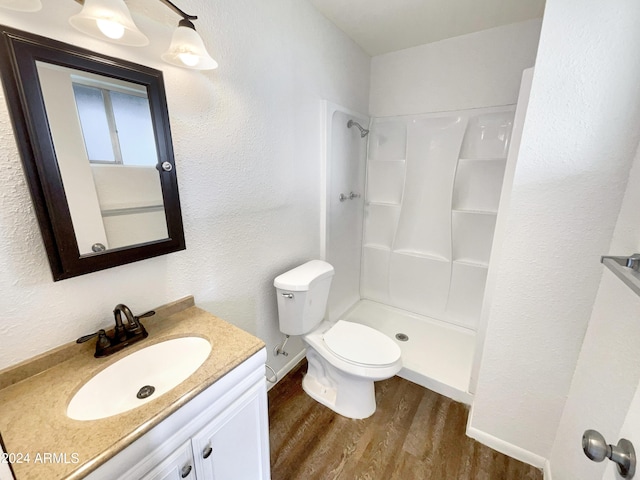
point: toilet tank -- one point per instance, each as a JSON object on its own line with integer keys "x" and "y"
{"x": 302, "y": 296}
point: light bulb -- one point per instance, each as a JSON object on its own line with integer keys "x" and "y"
{"x": 187, "y": 49}
{"x": 189, "y": 59}
{"x": 108, "y": 20}
{"x": 110, "y": 28}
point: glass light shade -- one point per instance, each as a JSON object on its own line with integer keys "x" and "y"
{"x": 108, "y": 20}
{"x": 187, "y": 50}
{"x": 22, "y": 5}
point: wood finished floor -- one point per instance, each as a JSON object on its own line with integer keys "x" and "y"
{"x": 414, "y": 434}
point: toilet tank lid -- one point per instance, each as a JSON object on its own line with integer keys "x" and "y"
{"x": 299, "y": 279}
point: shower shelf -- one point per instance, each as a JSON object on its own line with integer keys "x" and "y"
{"x": 421, "y": 254}
{"x": 471, "y": 263}
{"x": 488, "y": 159}
{"x": 629, "y": 276}
{"x": 473, "y": 212}
{"x": 377, "y": 246}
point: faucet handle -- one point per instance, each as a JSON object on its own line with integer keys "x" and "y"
{"x": 91, "y": 335}
{"x": 103, "y": 340}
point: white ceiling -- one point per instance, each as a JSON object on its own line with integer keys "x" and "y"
{"x": 382, "y": 26}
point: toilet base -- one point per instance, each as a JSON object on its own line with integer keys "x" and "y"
{"x": 348, "y": 395}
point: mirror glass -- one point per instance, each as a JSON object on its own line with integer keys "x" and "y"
{"x": 105, "y": 146}
{"x": 95, "y": 143}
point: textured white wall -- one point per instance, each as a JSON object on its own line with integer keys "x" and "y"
{"x": 247, "y": 147}
{"x": 579, "y": 139}
{"x": 607, "y": 373}
{"x": 480, "y": 69}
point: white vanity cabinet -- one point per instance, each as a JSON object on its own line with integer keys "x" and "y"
{"x": 178, "y": 465}
{"x": 221, "y": 434}
{"x": 231, "y": 447}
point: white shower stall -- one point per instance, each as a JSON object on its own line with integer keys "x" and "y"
{"x": 409, "y": 214}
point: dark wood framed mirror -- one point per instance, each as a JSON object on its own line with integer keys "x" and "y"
{"x": 94, "y": 138}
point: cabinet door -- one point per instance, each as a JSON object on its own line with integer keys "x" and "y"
{"x": 235, "y": 445}
{"x": 176, "y": 466}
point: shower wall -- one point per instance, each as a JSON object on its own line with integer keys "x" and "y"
{"x": 343, "y": 220}
{"x": 433, "y": 187}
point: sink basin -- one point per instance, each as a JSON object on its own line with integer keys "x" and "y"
{"x": 127, "y": 383}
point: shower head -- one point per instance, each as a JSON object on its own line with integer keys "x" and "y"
{"x": 363, "y": 131}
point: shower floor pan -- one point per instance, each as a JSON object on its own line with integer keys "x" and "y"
{"x": 436, "y": 355}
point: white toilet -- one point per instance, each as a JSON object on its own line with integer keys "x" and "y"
{"x": 345, "y": 358}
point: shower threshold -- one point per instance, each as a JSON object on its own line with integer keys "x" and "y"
{"x": 435, "y": 354}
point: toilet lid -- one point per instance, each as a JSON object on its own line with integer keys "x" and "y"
{"x": 358, "y": 343}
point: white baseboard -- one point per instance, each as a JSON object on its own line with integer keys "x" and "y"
{"x": 546, "y": 471}
{"x": 288, "y": 367}
{"x": 507, "y": 448}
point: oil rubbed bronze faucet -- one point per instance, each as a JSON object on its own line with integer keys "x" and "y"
{"x": 122, "y": 335}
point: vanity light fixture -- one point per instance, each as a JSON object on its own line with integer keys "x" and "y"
{"x": 22, "y": 5}
{"x": 187, "y": 48}
{"x": 108, "y": 20}
{"x": 111, "y": 20}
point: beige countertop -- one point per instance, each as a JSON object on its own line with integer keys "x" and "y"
{"x": 34, "y": 395}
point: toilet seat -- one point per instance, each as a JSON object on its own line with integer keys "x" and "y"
{"x": 361, "y": 345}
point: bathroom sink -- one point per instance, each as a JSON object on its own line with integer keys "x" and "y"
{"x": 138, "y": 378}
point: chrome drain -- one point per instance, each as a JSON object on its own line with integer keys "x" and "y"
{"x": 145, "y": 392}
{"x": 402, "y": 337}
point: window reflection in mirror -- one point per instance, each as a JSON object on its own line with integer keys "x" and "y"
{"x": 116, "y": 123}
{"x": 105, "y": 146}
